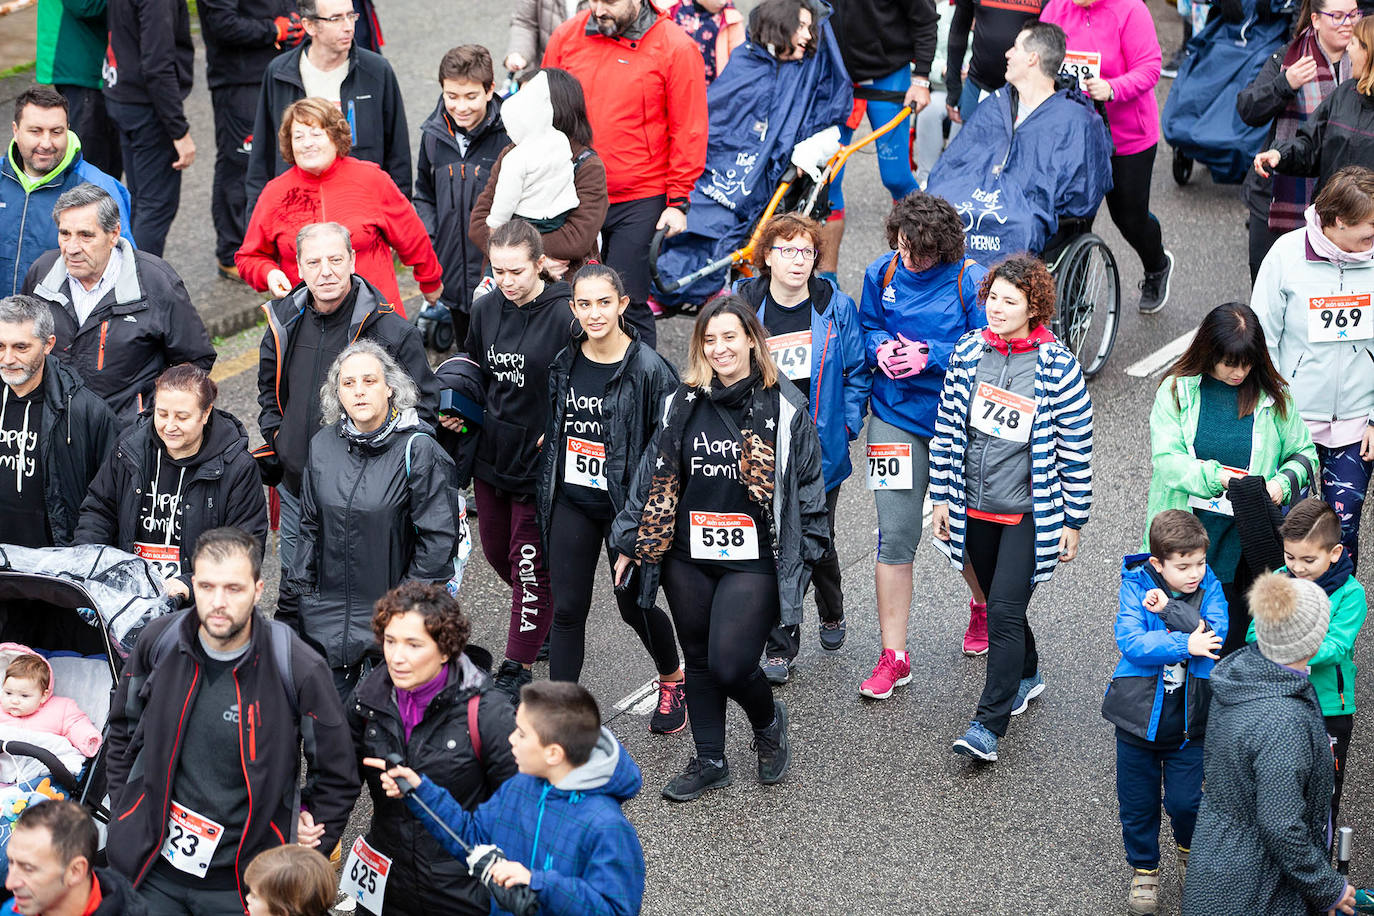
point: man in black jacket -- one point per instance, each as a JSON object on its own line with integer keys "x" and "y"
{"x": 52, "y": 854}
{"x": 147, "y": 77}
{"x": 121, "y": 316}
{"x": 212, "y": 713}
{"x": 330, "y": 66}
{"x": 54, "y": 433}
{"x": 241, "y": 38}
{"x": 306, "y": 330}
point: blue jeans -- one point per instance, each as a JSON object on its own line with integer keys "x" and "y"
{"x": 969, "y": 97}
{"x": 894, "y": 158}
{"x": 1345, "y": 482}
{"x": 1139, "y": 774}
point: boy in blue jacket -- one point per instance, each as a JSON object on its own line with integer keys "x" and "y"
{"x": 1169, "y": 626}
{"x": 558, "y": 819}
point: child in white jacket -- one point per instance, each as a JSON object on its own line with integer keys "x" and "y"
{"x": 536, "y": 178}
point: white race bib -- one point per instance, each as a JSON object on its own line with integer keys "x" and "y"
{"x": 191, "y": 840}
{"x": 1082, "y": 66}
{"x": 889, "y": 466}
{"x": 584, "y": 463}
{"x": 165, "y": 558}
{"x": 723, "y": 536}
{"x": 1339, "y": 318}
{"x": 1218, "y": 504}
{"x": 1001, "y": 413}
{"x": 792, "y": 353}
{"x": 364, "y": 876}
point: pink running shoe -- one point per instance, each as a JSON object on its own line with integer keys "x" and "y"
{"x": 671, "y": 715}
{"x": 976, "y": 636}
{"x": 888, "y": 673}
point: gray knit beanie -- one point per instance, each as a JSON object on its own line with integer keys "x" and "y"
{"x": 1291, "y": 617}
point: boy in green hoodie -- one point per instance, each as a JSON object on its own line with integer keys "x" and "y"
{"x": 1312, "y": 550}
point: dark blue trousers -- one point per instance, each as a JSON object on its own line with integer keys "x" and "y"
{"x": 1140, "y": 774}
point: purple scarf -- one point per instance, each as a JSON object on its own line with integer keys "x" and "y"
{"x": 412, "y": 703}
{"x": 1292, "y": 193}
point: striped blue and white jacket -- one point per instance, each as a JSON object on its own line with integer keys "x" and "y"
{"x": 1061, "y": 448}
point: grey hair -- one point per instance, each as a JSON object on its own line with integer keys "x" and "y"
{"x": 1046, "y": 40}
{"x": 308, "y": 9}
{"x": 83, "y": 195}
{"x": 20, "y": 309}
{"x": 310, "y": 230}
{"x": 405, "y": 394}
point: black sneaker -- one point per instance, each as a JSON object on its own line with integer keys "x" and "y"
{"x": 698, "y": 779}
{"x": 775, "y": 757}
{"x": 1170, "y": 69}
{"x": 1154, "y": 289}
{"x": 543, "y": 655}
{"x": 777, "y": 670}
{"x": 510, "y": 677}
{"x": 670, "y": 716}
{"x": 832, "y": 634}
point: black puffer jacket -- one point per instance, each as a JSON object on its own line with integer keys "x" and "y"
{"x": 1261, "y": 103}
{"x": 375, "y": 510}
{"x": 440, "y": 748}
{"x": 222, "y": 487}
{"x": 117, "y": 896}
{"x": 1339, "y": 133}
{"x": 1261, "y": 843}
{"x": 77, "y": 435}
{"x": 631, "y": 412}
{"x": 448, "y": 182}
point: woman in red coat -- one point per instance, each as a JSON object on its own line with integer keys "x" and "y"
{"x": 325, "y": 184}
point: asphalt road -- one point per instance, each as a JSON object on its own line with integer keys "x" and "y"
{"x": 877, "y": 815}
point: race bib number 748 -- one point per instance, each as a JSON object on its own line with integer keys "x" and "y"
{"x": 1001, "y": 413}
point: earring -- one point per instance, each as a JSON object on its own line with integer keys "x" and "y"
{"x": 573, "y": 329}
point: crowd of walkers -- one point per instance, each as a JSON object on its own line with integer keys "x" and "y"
{"x": 714, "y": 484}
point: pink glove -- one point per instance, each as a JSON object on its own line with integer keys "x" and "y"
{"x": 916, "y": 353}
{"x": 902, "y": 358}
{"x": 886, "y": 353}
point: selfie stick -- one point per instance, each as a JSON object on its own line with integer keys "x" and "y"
{"x": 519, "y": 899}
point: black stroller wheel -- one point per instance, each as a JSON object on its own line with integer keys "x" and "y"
{"x": 1183, "y": 168}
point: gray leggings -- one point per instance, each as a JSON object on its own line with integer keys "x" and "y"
{"x": 899, "y": 511}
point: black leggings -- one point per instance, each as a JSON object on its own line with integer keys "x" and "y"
{"x": 1129, "y": 204}
{"x": 1003, "y": 558}
{"x": 575, "y": 542}
{"x": 722, "y": 619}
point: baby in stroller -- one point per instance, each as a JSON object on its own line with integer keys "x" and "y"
{"x": 31, "y": 712}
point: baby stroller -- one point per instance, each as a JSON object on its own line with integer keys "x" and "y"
{"x": 82, "y": 608}
{"x": 1200, "y": 120}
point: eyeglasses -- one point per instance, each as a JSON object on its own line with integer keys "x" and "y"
{"x": 338, "y": 19}
{"x": 1342, "y": 18}
{"x": 790, "y": 252}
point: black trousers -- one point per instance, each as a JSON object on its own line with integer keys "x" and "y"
{"x": 1262, "y": 238}
{"x": 1129, "y": 204}
{"x": 99, "y": 135}
{"x": 154, "y": 186}
{"x": 1237, "y": 608}
{"x": 1003, "y": 558}
{"x": 577, "y": 542}
{"x": 785, "y": 641}
{"x": 722, "y": 621}
{"x": 235, "y": 109}
{"x": 1339, "y": 727}
{"x": 625, "y": 238}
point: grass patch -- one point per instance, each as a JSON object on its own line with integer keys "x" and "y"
{"x": 18, "y": 69}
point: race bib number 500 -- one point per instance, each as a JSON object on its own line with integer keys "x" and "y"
{"x": 1339, "y": 318}
{"x": 723, "y": 536}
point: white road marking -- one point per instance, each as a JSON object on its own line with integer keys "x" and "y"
{"x": 1162, "y": 358}
{"x": 642, "y": 701}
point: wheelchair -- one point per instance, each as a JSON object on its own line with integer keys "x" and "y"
{"x": 1087, "y": 285}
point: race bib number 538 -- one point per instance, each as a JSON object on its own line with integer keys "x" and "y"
{"x": 723, "y": 536}
{"x": 1339, "y": 318}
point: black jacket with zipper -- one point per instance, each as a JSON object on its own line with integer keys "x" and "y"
{"x": 448, "y": 182}
{"x": 440, "y": 748}
{"x": 77, "y": 434}
{"x": 1339, "y": 133}
{"x": 144, "y": 324}
{"x": 515, "y": 346}
{"x": 240, "y": 39}
{"x": 146, "y": 725}
{"x": 150, "y": 58}
{"x": 1259, "y": 103}
{"x": 370, "y": 97}
{"x": 879, "y": 37}
{"x": 222, "y": 488}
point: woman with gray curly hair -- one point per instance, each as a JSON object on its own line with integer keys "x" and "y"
{"x": 378, "y": 506}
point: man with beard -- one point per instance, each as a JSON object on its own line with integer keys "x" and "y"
{"x": 54, "y": 432}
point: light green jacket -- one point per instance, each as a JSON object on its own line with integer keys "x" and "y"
{"x": 1177, "y": 472}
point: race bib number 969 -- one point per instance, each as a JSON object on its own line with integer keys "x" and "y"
{"x": 1339, "y": 318}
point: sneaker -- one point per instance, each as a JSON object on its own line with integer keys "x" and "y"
{"x": 977, "y": 742}
{"x": 775, "y": 756}
{"x": 1027, "y": 690}
{"x": 228, "y": 272}
{"x": 1170, "y": 69}
{"x": 1154, "y": 289}
{"x": 832, "y": 634}
{"x": 543, "y": 654}
{"x": 888, "y": 673}
{"x": 671, "y": 715}
{"x": 510, "y": 677}
{"x": 1143, "y": 897}
{"x": 1182, "y": 867}
{"x": 976, "y": 636}
{"x": 697, "y": 779}
{"x": 778, "y": 670}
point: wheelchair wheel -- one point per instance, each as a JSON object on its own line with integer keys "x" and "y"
{"x": 1183, "y": 168}
{"x": 1088, "y": 287}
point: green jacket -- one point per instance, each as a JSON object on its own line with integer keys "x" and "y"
{"x": 1177, "y": 474}
{"x": 1333, "y": 667}
{"x": 71, "y": 42}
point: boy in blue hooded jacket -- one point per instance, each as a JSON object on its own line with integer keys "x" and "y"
{"x": 558, "y": 820}
{"x": 1170, "y": 624}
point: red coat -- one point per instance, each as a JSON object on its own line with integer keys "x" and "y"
{"x": 355, "y": 193}
{"x": 646, "y": 101}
